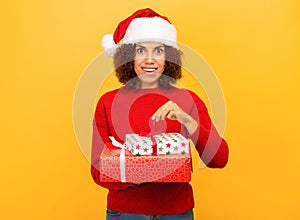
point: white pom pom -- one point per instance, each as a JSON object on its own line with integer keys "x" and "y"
{"x": 109, "y": 45}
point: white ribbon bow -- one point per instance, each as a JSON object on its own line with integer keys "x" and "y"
{"x": 122, "y": 157}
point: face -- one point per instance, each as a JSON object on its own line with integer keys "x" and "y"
{"x": 149, "y": 63}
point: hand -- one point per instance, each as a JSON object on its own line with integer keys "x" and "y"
{"x": 172, "y": 111}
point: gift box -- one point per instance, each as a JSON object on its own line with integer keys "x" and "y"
{"x": 171, "y": 143}
{"x": 144, "y": 168}
{"x": 165, "y": 143}
{"x": 139, "y": 145}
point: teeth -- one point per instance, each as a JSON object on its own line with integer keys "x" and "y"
{"x": 148, "y": 69}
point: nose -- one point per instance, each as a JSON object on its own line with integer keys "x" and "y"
{"x": 149, "y": 58}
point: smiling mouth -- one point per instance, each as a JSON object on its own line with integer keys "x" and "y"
{"x": 149, "y": 70}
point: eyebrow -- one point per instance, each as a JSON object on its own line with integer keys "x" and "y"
{"x": 141, "y": 46}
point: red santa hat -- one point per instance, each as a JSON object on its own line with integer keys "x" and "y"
{"x": 143, "y": 25}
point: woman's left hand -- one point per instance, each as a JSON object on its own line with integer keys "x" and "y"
{"x": 172, "y": 111}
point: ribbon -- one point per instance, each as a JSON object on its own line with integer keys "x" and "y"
{"x": 122, "y": 157}
{"x": 151, "y": 136}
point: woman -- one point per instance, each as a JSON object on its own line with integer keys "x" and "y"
{"x": 148, "y": 63}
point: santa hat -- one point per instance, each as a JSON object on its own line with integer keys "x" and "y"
{"x": 143, "y": 25}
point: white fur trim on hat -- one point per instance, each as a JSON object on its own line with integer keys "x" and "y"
{"x": 109, "y": 45}
{"x": 151, "y": 29}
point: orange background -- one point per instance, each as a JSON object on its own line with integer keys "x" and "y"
{"x": 252, "y": 47}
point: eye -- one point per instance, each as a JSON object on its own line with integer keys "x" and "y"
{"x": 159, "y": 50}
{"x": 140, "y": 50}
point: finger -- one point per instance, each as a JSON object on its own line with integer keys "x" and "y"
{"x": 164, "y": 112}
{"x": 167, "y": 104}
{"x": 157, "y": 115}
{"x": 137, "y": 183}
{"x": 161, "y": 113}
{"x": 176, "y": 106}
{"x": 173, "y": 115}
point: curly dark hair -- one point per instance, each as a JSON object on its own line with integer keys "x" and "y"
{"x": 124, "y": 66}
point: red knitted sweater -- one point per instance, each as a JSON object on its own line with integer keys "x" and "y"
{"x": 129, "y": 111}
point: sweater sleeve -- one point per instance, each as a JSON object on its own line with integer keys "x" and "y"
{"x": 212, "y": 148}
{"x": 100, "y": 136}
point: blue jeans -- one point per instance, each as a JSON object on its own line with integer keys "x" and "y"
{"x": 112, "y": 215}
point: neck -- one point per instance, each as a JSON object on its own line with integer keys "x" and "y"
{"x": 149, "y": 86}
